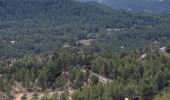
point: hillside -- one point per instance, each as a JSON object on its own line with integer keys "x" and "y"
{"x": 98, "y": 75}
{"x": 35, "y": 26}
{"x": 71, "y": 50}
{"x": 137, "y": 5}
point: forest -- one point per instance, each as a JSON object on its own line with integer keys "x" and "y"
{"x": 66, "y": 49}
{"x": 37, "y": 26}
{"x": 130, "y": 76}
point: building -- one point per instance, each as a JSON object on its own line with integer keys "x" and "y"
{"x": 143, "y": 56}
{"x": 12, "y": 42}
{"x": 163, "y": 49}
{"x": 85, "y": 42}
{"x": 102, "y": 79}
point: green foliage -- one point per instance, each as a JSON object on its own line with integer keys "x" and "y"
{"x": 40, "y": 25}
{"x": 94, "y": 80}
{"x": 37, "y": 26}
{"x": 131, "y": 77}
{"x": 50, "y": 71}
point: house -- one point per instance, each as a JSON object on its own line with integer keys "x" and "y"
{"x": 163, "y": 49}
{"x": 102, "y": 79}
{"x": 85, "y": 42}
{"x": 143, "y": 56}
{"x": 12, "y": 42}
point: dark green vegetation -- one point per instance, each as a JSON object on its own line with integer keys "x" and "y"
{"x": 5, "y": 89}
{"x": 47, "y": 71}
{"x": 30, "y": 29}
{"x": 131, "y": 76}
{"x": 56, "y": 71}
{"x": 40, "y": 25}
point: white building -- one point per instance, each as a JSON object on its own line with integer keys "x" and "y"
{"x": 12, "y": 42}
{"x": 163, "y": 49}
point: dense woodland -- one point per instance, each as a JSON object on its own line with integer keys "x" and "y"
{"x": 39, "y": 50}
{"x": 41, "y": 25}
{"x": 130, "y": 75}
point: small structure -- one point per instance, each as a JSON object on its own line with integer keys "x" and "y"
{"x": 126, "y": 98}
{"x": 122, "y": 47}
{"x": 13, "y": 60}
{"x": 85, "y": 42}
{"x": 83, "y": 70}
{"x": 163, "y": 49}
{"x": 143, "y": 56}
{"x": 66, "y": 46}
{"x": 156, "y": 42}
{"x": 102, "y": 79}
{"x": 117, "y": 29}
{"x": 12, "y": 42}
